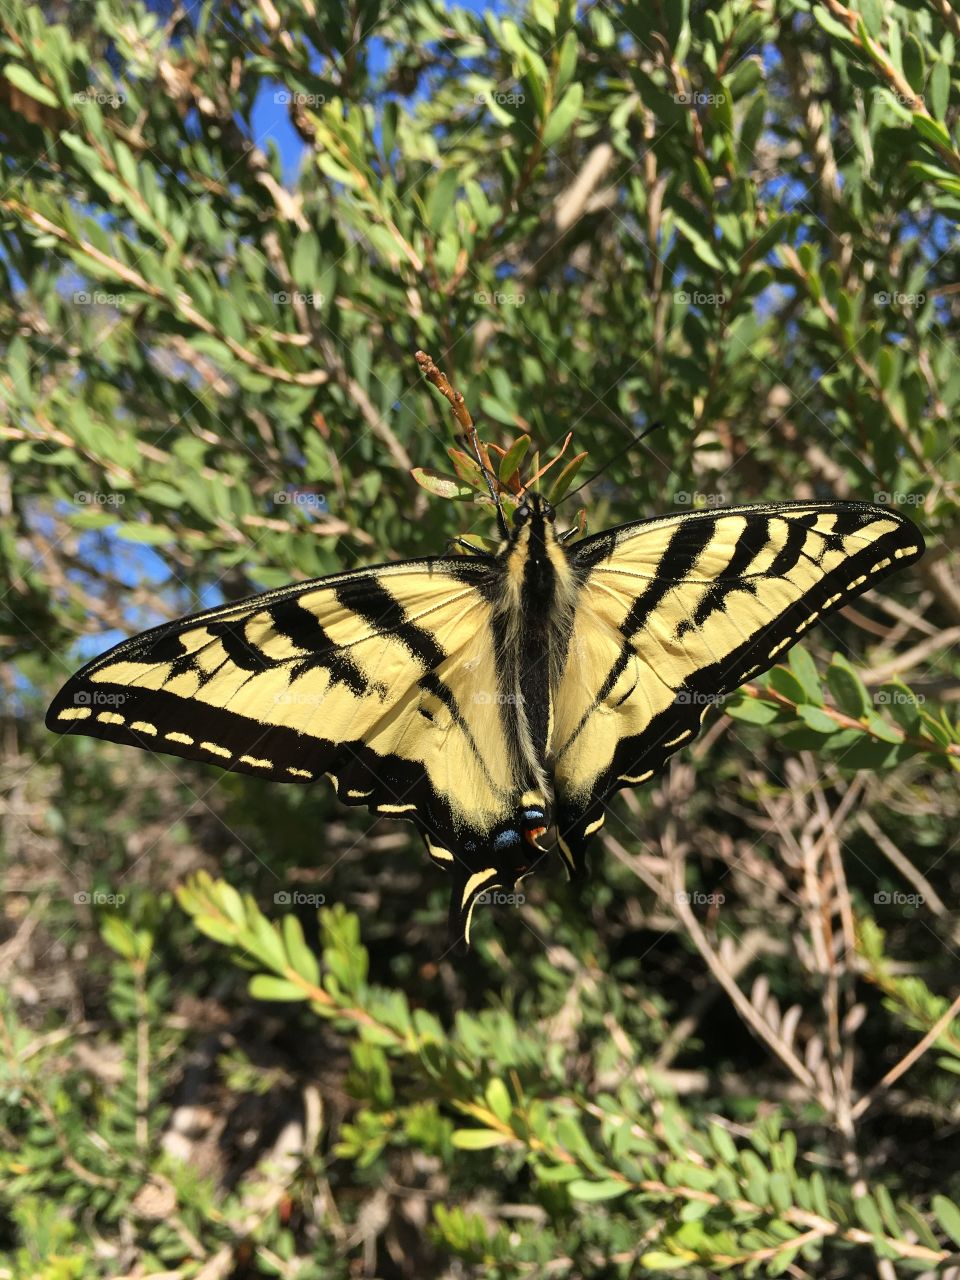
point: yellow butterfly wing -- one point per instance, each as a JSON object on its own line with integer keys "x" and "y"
{"x": 675, "y": 612}
{"x": 382, "y": 679}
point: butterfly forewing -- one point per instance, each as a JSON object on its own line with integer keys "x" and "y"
{"x": 676, "y": 612}
{"x": 383, "y": 680}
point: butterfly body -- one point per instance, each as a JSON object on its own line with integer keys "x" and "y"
{"x": 489, "y": 697}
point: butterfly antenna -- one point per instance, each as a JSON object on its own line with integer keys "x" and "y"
{"x": 634, "y": 440}
{"x": 462, "y": 414}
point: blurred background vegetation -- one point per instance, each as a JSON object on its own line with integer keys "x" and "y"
{"x": 224, "y": 231}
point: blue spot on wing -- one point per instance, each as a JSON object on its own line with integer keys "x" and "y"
{"x": 505, "y": 839}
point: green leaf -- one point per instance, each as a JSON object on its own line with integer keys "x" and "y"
{"x": 479, "y": 1139}
{"x": 563, "y": 115}
{"x": 440, "y": 200}
{"x": 266, "y": 986}
{"x": 881, "y": 729}
{"x": 849, "y": 691}
{"x": 566, "y": 477}
{"x": 442, "y": 486}
{"x": 152, "y": 535}
{"x": 752, "y": 711}
{"x": 723, "y": 1143}
{"x": 498, "y": 1099}
{"x": 588, "y": 1191}
{"x": 787, "y": 685}
{"x": 118, "y": 935}
{"x": 938, "y": 89}
{"x": 831, "y": 25}
{"x": 567, "y": 61}
{"x": 700, "y": 244}
{"x": 872, "y": 13}
{"x": 805, "y": 669}
{"x": 299, "y": 954}
{"x": 160, "y": 491}
{"x": 914, "y": 67}
{"x": 866, "y": 1210}
{"x": 305, "y": 263}
{"x": 558, "y": 1173}
{"x": 868, "y": 754}
{"x": 931, "y": 130}
{"x": 512, "y": 460}
{"x": 657, "y": 1260}
{"x": 27, "y": 82}
{"x": 901, "y": 703}
{"x": 817, "y": 720}
{"x": 217, "y": 929}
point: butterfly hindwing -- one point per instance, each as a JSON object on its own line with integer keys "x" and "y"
{"x": 675, "y": 612}
{"x": 383, "y": 680}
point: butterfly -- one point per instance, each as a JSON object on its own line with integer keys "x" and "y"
{"x": 488, "y": 697}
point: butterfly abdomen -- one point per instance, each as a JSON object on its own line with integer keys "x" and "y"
{"x": 533, "y": 621}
